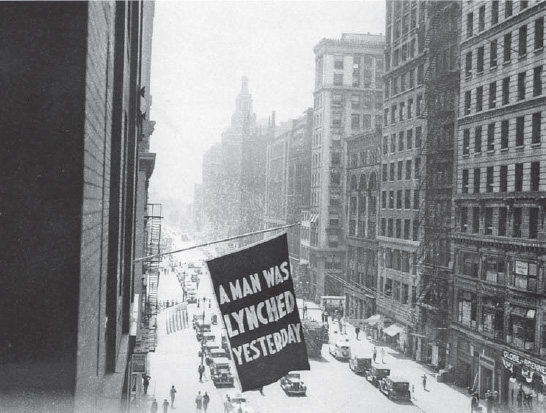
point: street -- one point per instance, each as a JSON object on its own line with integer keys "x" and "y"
{"x": 331, "y": 385}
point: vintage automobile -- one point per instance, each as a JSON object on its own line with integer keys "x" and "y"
{"x": 220, "y": 372}
{"x": 340, "y": 349}
{"x": 375, "y": 374}
{"x": 360, "y": 363}
{"x": 203, "y": 328}
{"x": 214, "y": 353}
{"x": 395, "y": 388}
{"x": 236, "y": 403}
{"x": 208, "y": 346}
{"x": 293, "y": 385}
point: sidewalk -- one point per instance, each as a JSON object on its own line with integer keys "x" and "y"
{"x": 438, "y": 397}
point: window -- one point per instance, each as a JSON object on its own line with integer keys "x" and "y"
{"x": 390, "y": 224}
{"x": 398, "y": 228}
{"x": 401, "y": 112}
{"x": 469, "y": 24}
{"x": 516, "y": 228}
{"x": 386, "y": 116}
{"x": 491, "y": 137}
{"x": 466, "y": 141}
{"x": 508, "y": 8}
{"x": 518, "y": 179}
{"x": 412, "y": 78}
{"x": 416, "y": 199}
{"x": 391, "y": 171}
{"x": 523, "y": 4}
{"x": 417, "y": 169}
{"x": 338, "y": 62}
{"x": 475, "y": 220}
{"x": 420, "y": 105}
{"x": 492, "y": 95}
{"x": 539, "y": 35}
{"x": 393, "y": 143}
{"x": 479, "y": 99}
{"x": 503, "y": 215}
{"x": 355, "y": 121}
{"x": 507, "y": 47}
{"x": 403, "y": 82}
{"x": 465, "y": 181}
{"x": 533, "y": 223}
{"x": 385, "y": 144}
{"x": 504, "y": 134}
{"x": 415, "y": 234}
{"x": 521, "y": 86}
{"x": 400, "y": 170}
{"x": 409, "y": 139}
{"x": 408, "y": 169}
{"x": 468, "y": 64}
{"x": 467, "y": 102}
{"x": 503, "y": 184}
{"x": 393, "y": 114}
{"x": 479, "y": 66}
{"x": 383, "y": 226}
{"x": 410, "y": 108}
{"x": 384, "y": 174}
{"x": 399, "y": 199}
{"x": 537, "y": 81}
{"x": 488, "y": 221}
{"x": 401, "y": 141}
{"x": 519, "y": 130}
{"x": 418, "y": 132}
{"x": 384, "y": 199}
{"x": 522, "y": 50}
{"x": 407, "y": 199}
{"x": 537, "y": 120}
{"x": 490, "y": 179}
{"x": 338, "y": 79}
{"x": 477, "y": 180}
{"x": 481, "y": 19}
{"x": 336, "y": 99}
{"x": 336, "y": 118}
{"x": 495, "y": 12}
{"x": 493, "y": 53}
{"x": 535, "y": 176}
{"x": 355, "y": 101}
{"x": 478, "y": 140}
{"x": 506, "y": 90}
{"x": 464, "y": 219}
{"x": 420, "y": 74}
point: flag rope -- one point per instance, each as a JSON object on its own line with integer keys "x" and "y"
{"x": 248, "y": 234}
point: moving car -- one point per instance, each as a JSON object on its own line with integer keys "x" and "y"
{"x": 395, "y": 388}
{"x": 340, "y": 349}
{"x": 214, "y": 353}
{"x": 220, "y": 372}
{"x": 360, "y": 363}
{"x": 375, "y": 374}
{"x": 236, "y": 403}
{"x": 293, "y": 385}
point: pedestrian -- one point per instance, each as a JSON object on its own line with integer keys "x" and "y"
{"x": 153, "y": 408}
{"x": 489, "y": 401}
{"x": 357, "y": 332}
{"x": 424, "y": 381}
{"x": 145, "y": 382}
{"x": 199, "y": 402}
{"x": 413, "y": 390}
{"x": 374, "y": 354}
{"x": 173, "y": 395}
{"x": 262, "y": 391}
{"x": 474, "y": 403}
{"x": 201, "y": 370}
{"x": 383, "y": 355}
{"x": 165, "y": 406}
{"x": 206, "y": 400}
{"x": 304, "y": 310}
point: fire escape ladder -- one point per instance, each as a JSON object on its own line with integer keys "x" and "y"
{"x": 153, "y": 247}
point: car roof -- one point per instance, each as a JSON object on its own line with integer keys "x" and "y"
{"x": 222, "y": 360}
{"x": 398, "y": 379}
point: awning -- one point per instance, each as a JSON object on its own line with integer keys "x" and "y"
{"x": 393, "y": 329}
{"x": 374, "y": 319}
{"x": 522, "y": 312}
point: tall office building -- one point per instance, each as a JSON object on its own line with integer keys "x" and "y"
{"x": 421, "y": 89}
{"x": 347, "y": 100}
{"x": 499, "y": 240}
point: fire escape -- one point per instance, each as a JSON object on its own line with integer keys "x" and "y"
{"x": 436, "y": 151}
{"x": 153, "y": 247}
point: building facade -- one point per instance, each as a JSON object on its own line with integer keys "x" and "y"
{"x": 71, "y": 134}
{"x": 347, "y": 100}
{"x": 499, "y": 324}
{"x": 362, "y": 196}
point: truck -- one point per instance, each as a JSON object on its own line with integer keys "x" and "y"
{"x": 315, "y": 334}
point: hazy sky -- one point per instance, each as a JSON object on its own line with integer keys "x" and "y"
{"x": 201, "y": 50}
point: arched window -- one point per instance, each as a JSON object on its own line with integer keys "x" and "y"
{"x": 362, "y": 185}
{"x": 353, "y": 183}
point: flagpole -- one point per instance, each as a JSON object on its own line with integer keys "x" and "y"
{"x": 248, "y": 234}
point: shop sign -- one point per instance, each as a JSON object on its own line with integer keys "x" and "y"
{"x": 138, "y": 361}
{"x": 509, "y": 359}
{"x": 521, "y": 267}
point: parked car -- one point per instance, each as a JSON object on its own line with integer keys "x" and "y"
{"x": 293, "y": 385}
{"x": 214, "y": 353}
{"x": 375, "y": 374}
{"x": 220, "y": 372}
{"x": 360, "y": 364}
{"x": 340, "y": 349}
{"x": 208, "y": 347}
{"x": 395, "y": 388}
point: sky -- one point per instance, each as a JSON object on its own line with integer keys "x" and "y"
{"x": 202, "y": 49}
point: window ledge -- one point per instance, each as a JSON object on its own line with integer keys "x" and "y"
{"x": 535, "y": 145}
{"x": 523, "y": 56}
{"x": 493, "y": 68}
{"x": 520, "y": 147}
{"x": 539, "y": 50}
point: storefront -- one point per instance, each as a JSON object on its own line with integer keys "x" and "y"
{"x": 526, "y": 382}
